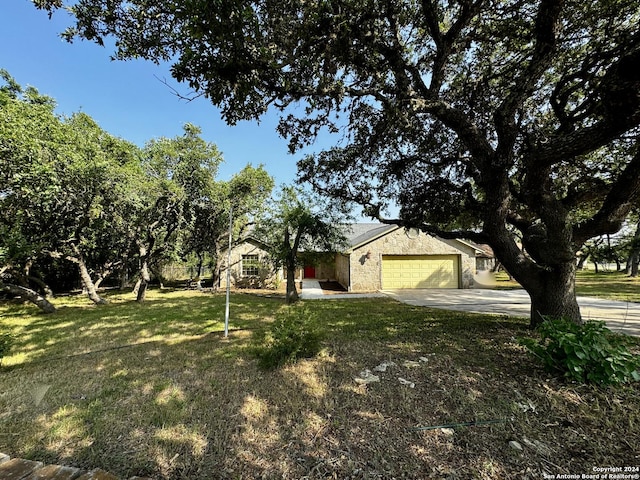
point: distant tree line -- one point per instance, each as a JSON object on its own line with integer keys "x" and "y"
{"x": 78, "y": 203}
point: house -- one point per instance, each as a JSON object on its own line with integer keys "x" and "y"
{"x": 379, "y": 257}
{"x": 485, "y": 258}
{"x": 250, "y": 266}
{"x": 383, "y": 257}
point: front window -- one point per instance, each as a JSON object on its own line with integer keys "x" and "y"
{"x": 250, "y": 265}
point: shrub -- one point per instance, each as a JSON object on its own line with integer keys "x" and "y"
{"x": 588, "y": 353}
{"x": 6, "y": 341}
{"x": 292, "y": 336}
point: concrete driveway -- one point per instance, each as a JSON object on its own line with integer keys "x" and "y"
{"x": 620, "y": 316}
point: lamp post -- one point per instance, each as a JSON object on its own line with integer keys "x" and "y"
{"x": 226, "y": 308}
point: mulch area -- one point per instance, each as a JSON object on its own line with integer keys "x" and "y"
{"x": 331, "y": 288}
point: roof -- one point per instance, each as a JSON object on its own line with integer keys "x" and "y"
{"x": 359, "y": 234}
{"x": 482, "y": 249}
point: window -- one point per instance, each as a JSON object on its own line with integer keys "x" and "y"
{"x": 250, "y": 265}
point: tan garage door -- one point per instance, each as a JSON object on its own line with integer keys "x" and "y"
{"x": 420, "y": 271}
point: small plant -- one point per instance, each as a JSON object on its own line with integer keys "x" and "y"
{"x": 292, "y": 336}
{"x": 6, "y": 341}
{"x": 588, "y": 353}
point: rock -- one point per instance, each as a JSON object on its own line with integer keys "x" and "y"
{"x": 98, "y": 474}
{"x": 366, "y": 377}
{"x": 516, "y": 445}
{"x": 17, "y": 468}
{"x": 406, "y": 382}
{"x": 410, "y": 364}
{"x": 538, "y": 446}
{"x": 56, "y": 472}
{"x": 526, "y": 406}
{"x": 383, "y": 366}
{"x": 449, "y": 432}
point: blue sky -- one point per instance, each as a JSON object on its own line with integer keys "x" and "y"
{"x": 127, "y": 99}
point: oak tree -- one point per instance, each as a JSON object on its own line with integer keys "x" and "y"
{"x": 475, "y": 118}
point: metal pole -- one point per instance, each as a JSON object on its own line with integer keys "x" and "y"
{"x": 226, "y": 309}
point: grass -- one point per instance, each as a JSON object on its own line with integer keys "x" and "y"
{"x": 156, "y": 390}
{"x": 610, "y": 285}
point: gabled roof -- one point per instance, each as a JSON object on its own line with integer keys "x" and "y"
{"x": 482, "y": 249}
{"x": 359, "y": 234}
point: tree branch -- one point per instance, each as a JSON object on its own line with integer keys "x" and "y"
{"x": 545, "y": 45}
{"x": 623, "y": 196}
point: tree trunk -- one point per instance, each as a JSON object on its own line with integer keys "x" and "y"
{"x": 157, "y": 272}
{"x": 46, "y": 289}
{"x": 85, "y": 277}
{"x": 545, "y": 265}
{"x": 290, "y": 262}
{"x": 136, "y": 287}
{"x": 634, "y": 264}
{"x": 31, "y": 295}
{"x": 634, "y": 255}
{"x": 554, "y": 297}
{"x": 88, "y": 284}
{"x": 200, "y": 264}
{"x": 145, "y": 278}
{"x": 292, "y": 292}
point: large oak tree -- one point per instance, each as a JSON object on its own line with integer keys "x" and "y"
{"x": 485, "y": 119}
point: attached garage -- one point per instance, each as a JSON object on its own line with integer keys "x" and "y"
{"x": 420, "y": 271}
{"x": 388, "y": 257}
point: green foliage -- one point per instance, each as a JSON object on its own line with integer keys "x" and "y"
{"x": 588, "y": 353}
{"x": 292, "y": 336}
{"x": 6, "y": 342}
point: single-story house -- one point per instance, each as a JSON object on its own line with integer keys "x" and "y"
{"x": 485, "y": 258}
{"x": 250, "y": 266}
{"x": 380, "y": 256}
{"x": 383, "y": 257}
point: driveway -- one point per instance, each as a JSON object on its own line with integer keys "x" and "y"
{"x": 619, "y": 316}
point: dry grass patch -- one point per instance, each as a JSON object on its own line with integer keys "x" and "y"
{"x": 183, "y": 402}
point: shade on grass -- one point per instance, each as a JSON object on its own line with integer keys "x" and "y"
{"x": 156, "y": 390}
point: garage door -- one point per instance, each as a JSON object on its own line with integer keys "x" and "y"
{"x": 420, "y": 271}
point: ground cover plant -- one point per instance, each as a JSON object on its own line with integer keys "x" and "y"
{"x": 588, "y": 353}
{"x": 156, "y": 390}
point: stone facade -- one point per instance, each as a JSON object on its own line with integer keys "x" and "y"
{"x": 342, "y": 269}
{"x": 248, "y": 247}
{"x": 361, "y": 269}
{"x": 325, "y": 269}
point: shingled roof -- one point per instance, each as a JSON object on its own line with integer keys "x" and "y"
{"x": 361, "y": 233}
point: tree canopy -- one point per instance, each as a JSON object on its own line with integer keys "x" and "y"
{"x": 495, "y": 121}
{"x": 72, "y": 196}
{"x": 298, "y": 227}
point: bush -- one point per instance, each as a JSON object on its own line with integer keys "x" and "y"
{"x": 6, "y": 341}
{"x": 588, "y": 353}
{"x": 291, "y": 337}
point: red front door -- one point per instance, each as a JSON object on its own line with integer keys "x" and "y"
{"x": 309, "y": 271}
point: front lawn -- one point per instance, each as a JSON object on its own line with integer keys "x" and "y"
{"x": 156, "y": 390}
{"x": 611, "y": 285}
